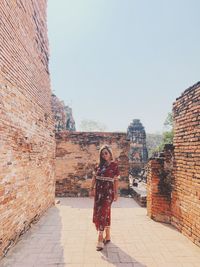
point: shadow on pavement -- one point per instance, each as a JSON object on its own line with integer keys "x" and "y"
{"x": 119, "y": 258}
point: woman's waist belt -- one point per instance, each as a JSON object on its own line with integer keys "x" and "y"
{"x": 103, "y": 178}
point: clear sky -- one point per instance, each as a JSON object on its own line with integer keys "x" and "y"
{"x": 117, "y": 60}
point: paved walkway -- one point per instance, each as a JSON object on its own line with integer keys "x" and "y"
{"x": 65, "y": 236}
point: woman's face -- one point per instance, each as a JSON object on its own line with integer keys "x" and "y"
{"x": 105, "y": 154}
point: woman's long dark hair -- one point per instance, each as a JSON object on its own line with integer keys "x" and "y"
{"x": 101, "y": 159}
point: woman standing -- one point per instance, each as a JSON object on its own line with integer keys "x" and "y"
{"x": 105, "y": 190}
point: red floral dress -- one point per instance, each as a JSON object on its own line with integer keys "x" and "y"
{"x": 104, "y": 195}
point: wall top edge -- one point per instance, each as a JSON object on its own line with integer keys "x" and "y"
{"x": 189, "y": 90}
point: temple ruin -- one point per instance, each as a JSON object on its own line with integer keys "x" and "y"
{"x": 36, "y": 163}
{"x": 138, "y": 156}
{"x": 27, "y": 185}
{"x": 137, "y": 136}
{"x": 77, "y": 154}
{"x": 62, "y": 115}
{"x": 174, "y": 177}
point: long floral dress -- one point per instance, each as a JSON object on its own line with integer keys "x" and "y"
{"x": 104, "y": 195}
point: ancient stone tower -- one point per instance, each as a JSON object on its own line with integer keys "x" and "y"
{"x": 137, "y": 136}
{"x": 138, "y": 154}
{"x": 62, "y": 115}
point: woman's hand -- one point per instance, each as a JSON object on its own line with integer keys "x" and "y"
{"x": 115, "y": 196}
{"x": 92, "y": 192}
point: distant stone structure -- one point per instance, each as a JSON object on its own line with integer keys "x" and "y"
{"x": 137, "y": 136}
{"x": 70, "y": 123}
{"x": 138, "y": 154}
{"x": 62, "y": 115}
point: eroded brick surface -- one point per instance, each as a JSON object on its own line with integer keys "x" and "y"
{"x": 27, "y": 141}
{"x": 186, "y": 193}
{"x": 77, "y": 153}
{"x": 180, "y": 204}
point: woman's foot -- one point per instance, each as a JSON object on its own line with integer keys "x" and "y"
{"x": 100, "y": 245}
{"x": 107, "y": 238}
{"x": 106, "y": 241}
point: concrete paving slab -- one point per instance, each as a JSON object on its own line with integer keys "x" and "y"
{"x": 66, "y": 237}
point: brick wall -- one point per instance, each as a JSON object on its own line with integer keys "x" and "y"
{"x": 76, "y": 155}
{"x": 186, "y": 193}
{"x": 159, "y": 185}
{"x": 182, "y": 205}
{"x": 27, "y": 140}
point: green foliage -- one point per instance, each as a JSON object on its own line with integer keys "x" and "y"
{"x": 153, "y": 141}
{"x": 169, "y": 121}
{"x": 167, "y": 136}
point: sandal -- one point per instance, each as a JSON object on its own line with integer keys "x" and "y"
{"x": 99, "y": 246}
{"x": 106, "y": 241}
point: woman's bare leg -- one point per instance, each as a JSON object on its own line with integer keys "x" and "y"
{"x": 100, "y": 243}
{"x": 100, "y": 237}
{"x": 107, "y": 230}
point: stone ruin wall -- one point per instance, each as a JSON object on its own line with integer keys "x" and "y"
{"x": 62, "y": 115}
{"x": 186, "y": 193}
{"x": 179, "y": 204}
{"x": 159, "y": 185}
{"x": 77, "y": 153}
{"x": 27, "y": 139}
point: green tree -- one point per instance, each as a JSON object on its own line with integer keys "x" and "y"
{"x": 169, "y": 121}
{"x": 168, "y": 134}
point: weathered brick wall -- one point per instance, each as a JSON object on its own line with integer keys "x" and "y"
{"x": 77, "y": 153}
{"x": 186, "y": 193}
{"x": 27, "y": 141}
{"x": 159, "y": 185}
{"x": 182, "y": 205}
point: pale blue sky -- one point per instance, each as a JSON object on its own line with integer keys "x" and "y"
{"x": 117, "y": 60}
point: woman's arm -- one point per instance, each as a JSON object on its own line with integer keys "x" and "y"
{"x": 92, "y": 188}
{"x": 93, "y": 182}
{"x": 116, "y": 185}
